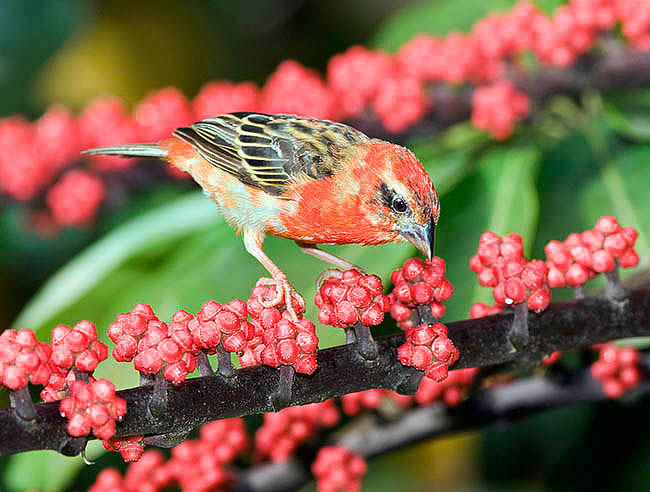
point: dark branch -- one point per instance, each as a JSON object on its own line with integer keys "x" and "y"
{"x": 482, "y": 342}
{"x": 487, "y": 407}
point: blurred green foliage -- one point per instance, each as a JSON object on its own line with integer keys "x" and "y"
{"x": 171, "y": 249}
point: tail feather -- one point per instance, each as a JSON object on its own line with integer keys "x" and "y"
{"x": 132, "y": 150}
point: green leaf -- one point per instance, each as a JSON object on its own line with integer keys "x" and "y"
{"x": 155, "y": 228}
{"x": 568, "y": 167}
{"x": 434, "y": 17}
{"x": 629, "y": 114}
{"x": 500, "y": 197}
{"x": 46, "y": 471}
{"x": 441, "y": 17}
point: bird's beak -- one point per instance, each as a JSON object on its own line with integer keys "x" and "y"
{"x": 422, "y": 237}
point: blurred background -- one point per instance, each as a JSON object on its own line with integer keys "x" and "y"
{"x": 166, "y": 246}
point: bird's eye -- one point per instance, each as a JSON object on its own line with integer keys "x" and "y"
{"x": 399, "y": 205}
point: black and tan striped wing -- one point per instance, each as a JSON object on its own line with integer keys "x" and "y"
{"x": 268, "y": 151}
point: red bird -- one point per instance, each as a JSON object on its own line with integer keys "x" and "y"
{"x": 309, "y": 180}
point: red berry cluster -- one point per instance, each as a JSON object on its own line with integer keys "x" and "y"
{"x": 277, "y": 338}
{"x": 150, "y": 473}
{"x": 428, "y": 349}
{"x": 73, "y": 348}
{"x": 617, "y": 368}
{"x": 497, "y": 107}
{"x": 75, "y": 198}
{"x": 347, "y": 298}
{"x": 582, "y": 256}
{"x": 22, "y": 359}
{"x": 481, "y": 310}
{"x": 197, "y": 465}
{"x": 500, "y": 263}
{"x": 635, "y": 19}
{"x": 395, "y": 87}
{"x": 552, "y": 358}
{"x": 224, "y": 324}
{"x": 130, "y": 448}
{"x": 287, "y": 429}
{"x": 200, "y": 464}
{"x": 451, "y": 391}
{"x": 354, "y": 403}
{"x": 92, "y": 405}
{"x": 153, "y": 346}
{"x": 338, "y": 470}
{"x": 419, "y": 283}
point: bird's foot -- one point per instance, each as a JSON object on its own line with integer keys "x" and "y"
{"x": 335, "y": 273}
{"x": 326, "y": 275}
{"x": 285, "y": 294}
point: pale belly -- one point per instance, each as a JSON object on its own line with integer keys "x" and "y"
{"x": 242, "y": 206}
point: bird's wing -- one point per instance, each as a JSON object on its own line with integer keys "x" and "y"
{"x": 268, "y": 151}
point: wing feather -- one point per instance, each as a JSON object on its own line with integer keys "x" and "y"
{"x": 268, "y": 151}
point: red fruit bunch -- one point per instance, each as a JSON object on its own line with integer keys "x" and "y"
{"x": 419, "y": 283}
{"x": 92, "y": 406}
{"x": 150, "y": 473}
{"x": 24, "y": 168}
{"x": 276, "y": 338}
{"x": 23, "y": 359}
{"x": 348, "y": 76}
{"x": 552, "y": 358}
{"x": 500, "y": 263}
{"x": 347, "y": 298}
{"x": 75, "y": 198}
{"x": 158, "y": 351}
{"x": 635, "y": 20}
{"x": 107, "y": 122}
{"x": 451, "y": 391}
{"x": 77, "y": 348}
{"x": 354, "y": 403}
{"x": 481, "y": 310}
{"x": 338, "y": 470}
{"x": 109, "y": 480}
{"x": 497, "y": 107}
{"x": 130, "y": 447}
{"x": 225, "y": 97}
{"x": 193, "y": 467}
{"x": 294, "y": 89}
{"x": 617, "y": 369}
{"x": 582, "y": 256}
{"x": 428, "y": 349}
{"x": 161, "y": 112}
{"x": 152, "y": 345}
{"x": 283, "y": 431}
{"x": 224, "y": 324}
{"x": 200, "y": 464}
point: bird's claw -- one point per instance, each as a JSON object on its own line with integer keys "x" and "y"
{"x": 326, "y": 275}
{"x": 284, "y": 294}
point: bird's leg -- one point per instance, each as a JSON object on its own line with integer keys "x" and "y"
{"x": 253, "y": 244}
{"x": 312, "y": 249}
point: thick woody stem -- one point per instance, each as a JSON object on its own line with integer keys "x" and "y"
{"x": 580, "y": 292}
{"x": 614, "y": 289}
{"x": 365, "y": 343}
{"x": 158, "y": 400}
{"x": 203, "y": 364}
{"x": 21, "y": 402}
{"x": 225, "y": 368}
{"x": 282, "y": 397}
{"x": 481, "y": 342}
{"x": 519, "y": 330}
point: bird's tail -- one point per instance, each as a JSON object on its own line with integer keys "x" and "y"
{"x": 131, "y": 150}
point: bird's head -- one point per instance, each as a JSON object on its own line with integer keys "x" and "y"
{"x": 400, "y": 197}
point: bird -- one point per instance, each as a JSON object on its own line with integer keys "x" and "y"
{"x": 309, "y": 180}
